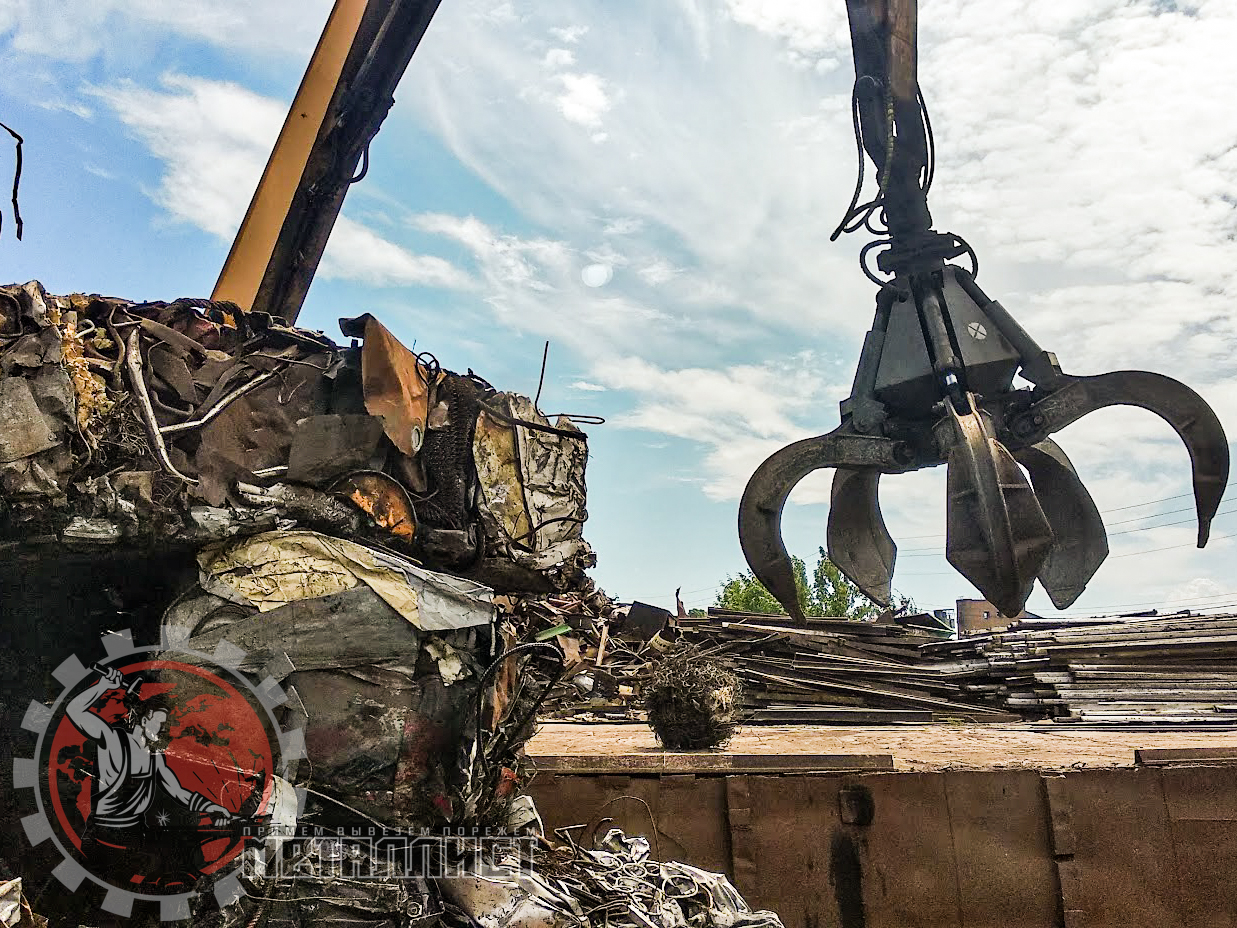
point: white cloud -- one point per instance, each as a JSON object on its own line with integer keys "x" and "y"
{"x": 538, "y": 285}
{"x": 355, "y": 252}
{"x": 658, "y": 272}
{"x": 587, "y": 387}
{"x": 808, "y": 29}
{"x": 569, "y": 34}
{"x": 738, "y": 413}
{"x": 584, "y": 99}
{"x": 78, "y": 109}
{"x": 625, "y": 225}
{"x": 214, "y": 138}
{"x": 557, "y": 58}
{"x": 78, "y": 30}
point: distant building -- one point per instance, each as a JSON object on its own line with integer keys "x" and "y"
{"x": 979, "y": 615}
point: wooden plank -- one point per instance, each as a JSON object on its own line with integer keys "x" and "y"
{"x": 795, "y": 715}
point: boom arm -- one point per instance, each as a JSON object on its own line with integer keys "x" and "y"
{"x": 346, "y": 93}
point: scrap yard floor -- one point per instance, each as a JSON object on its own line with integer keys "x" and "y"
{"x": 913, "y": 747}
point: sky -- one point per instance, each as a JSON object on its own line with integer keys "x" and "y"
{"x": 650, "y": 186}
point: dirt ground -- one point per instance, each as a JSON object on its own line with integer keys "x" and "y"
{"x": 914, "y": 747}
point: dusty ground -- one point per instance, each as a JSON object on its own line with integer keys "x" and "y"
{"x": 914, "y": 747}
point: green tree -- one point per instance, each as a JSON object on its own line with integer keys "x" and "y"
{"x": 833, "y": 593}
{"x": 827, "y": 593}
{"x": 744, "y": 593}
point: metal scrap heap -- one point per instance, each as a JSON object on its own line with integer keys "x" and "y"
{"x": 1174, "y": 669}
{"x": 330, "y": 526}
{"x": 172, "y": 425}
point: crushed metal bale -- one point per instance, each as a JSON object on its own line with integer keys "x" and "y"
{"x": 178, "y": 424}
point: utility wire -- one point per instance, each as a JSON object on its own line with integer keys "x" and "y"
{"x": 930, "y": 552}
{"x": 1150, "y": 502}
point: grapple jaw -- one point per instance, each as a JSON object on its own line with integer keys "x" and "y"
{"x": 997, "y": 535}
{"x": 934, "y": 386}
{"x": 1080, "y": 544}
{"x": 1017, "y": 510}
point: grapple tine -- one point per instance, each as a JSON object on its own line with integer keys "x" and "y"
{"x": 996, "y": 535}
{"x": 760, "y": 510}
{"x": 858, "y": 541}
{"x": 1080, "y": 543}
{"x": 1183, "y": 409}
{"x": 760, "y": 517}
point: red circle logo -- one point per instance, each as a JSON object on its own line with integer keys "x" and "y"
{"x": 154, "y": 771}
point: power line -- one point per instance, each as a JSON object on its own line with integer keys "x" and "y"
{"x": 930, "y": 552}
{"x": 1161, "y": 602}
{"x": 1170, "y": 547}
{"x": 1150, "y": 502}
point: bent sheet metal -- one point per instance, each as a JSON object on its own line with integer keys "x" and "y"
{"x": 935, "y": 385}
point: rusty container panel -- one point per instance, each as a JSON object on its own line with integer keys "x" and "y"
{"x": 1102, "y": 848}
{"x": 1202, "y": 811}
{"x": 1002, "y": 851}
{"x": 907, "y": 852}
{"x": 1121, "y": 871}
{"x": 690, "y": 812}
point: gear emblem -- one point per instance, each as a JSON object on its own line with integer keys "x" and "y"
{"x": 149, "y": 768}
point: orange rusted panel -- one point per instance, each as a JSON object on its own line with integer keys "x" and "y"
{"x": 396, "y": 386}
{"x": 384, "y": 499}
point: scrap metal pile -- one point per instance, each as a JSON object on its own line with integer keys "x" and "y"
{"x": 1169, "y": 670}
{"x": 174, "y": 425}
{"x": 617, "y": 883}
{"x": 1163, "y": 670}
{"x": 330, "y": 524}
{"x": 833, "y": 671}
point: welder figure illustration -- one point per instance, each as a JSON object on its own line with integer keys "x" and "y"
{"x": 131, "y": 772}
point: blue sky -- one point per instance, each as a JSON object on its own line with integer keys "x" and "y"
{"x": 651, "y": 186}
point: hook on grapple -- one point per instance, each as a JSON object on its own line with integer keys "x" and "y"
{"x": 934, "y": 386}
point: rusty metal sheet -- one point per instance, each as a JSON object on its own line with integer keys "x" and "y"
{"x": 793, "y": 836}
{"x": 1123, "y": 853}
{"x": 384, "y": 499}
{"x": 497, "y": 456}
{"x": 23, "y": 430}
{"x": 1001, "y": 846}
{"x": 739, "y": 813}
{"x": 909, "y": 874}
{"x": 691, "y": 821}
{"x": 395, "y": 384}
{"x": 326, "y": 447}
{"x": 669, "y": 762}
{"x": 1202, "y": 809}
{"x": 1155, "y": 757}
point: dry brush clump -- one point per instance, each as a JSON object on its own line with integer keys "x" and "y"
{"x": 692, "y": 701}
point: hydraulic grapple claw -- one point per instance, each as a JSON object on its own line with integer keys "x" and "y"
{"x": 858, "y": 541}
{"x": 935, "y": 385}
{"x": 1080, "y": 543}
